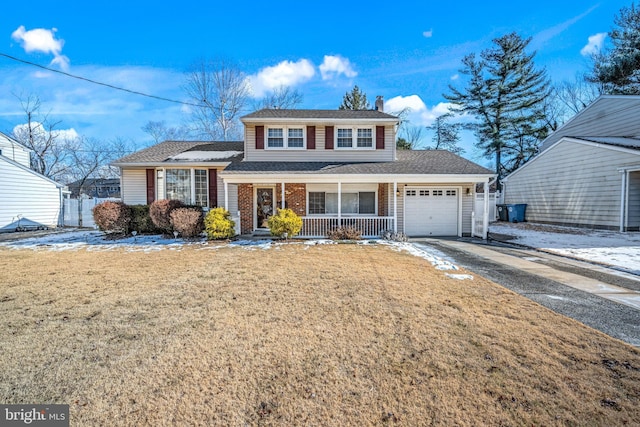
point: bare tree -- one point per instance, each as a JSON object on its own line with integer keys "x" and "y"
{"x": 446, "y": 135}
{"x": 568, "y": 98}
{"x": 222, "y": 90}
{"x": 50, "y": 149}
{"x": 282, "y": 97}
{"x": 410, "y": 137}
{"x": 159, "y": 131}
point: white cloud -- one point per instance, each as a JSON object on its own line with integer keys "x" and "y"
{"x": 333, "y": 66}
{"x": 44, "y": 41}
{"x": 455, "y": 77}
{"x": 286, "y": 73}
{"x": 595, "y": 44}
{"x": 61, "y": 134}
{"x": 428, "y": 34}
{"x": 399, "y": 103}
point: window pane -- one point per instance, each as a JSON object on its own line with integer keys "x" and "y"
{"x": 275, "y": 137}
{"x": 331, "y": 203}
{"x": 316, "y": 203}
{"x": 349, "y": 203}
{"x": 178, "y": 182}
{"x": 201, "y": 187}
{"x": 295, "y": 138}
{"x": 345, "y": 137}
{"x": 365, "y": 138}
{"x": 367, "y": 202}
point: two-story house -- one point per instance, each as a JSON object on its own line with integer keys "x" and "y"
{"x": 334, "y": 168}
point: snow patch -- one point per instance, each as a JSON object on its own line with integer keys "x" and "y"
{"x": 460, "y": 276}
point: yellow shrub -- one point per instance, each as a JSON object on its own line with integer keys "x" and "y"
{"x": 219, "y": 225}
{"x": 285, "y": 223}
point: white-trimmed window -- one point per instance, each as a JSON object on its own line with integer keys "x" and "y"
{"x": 351, "y": 203}
{"x": 190, "y": 186}
{"x": 291, "y": 137}
{"x": 354, "y": 137}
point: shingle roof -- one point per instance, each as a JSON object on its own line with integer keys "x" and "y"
{"x": 632, "y": 143}
{"x": 409, "y": 162}
{"x": 165, "y": 150}
{"x": 318, "y": 114}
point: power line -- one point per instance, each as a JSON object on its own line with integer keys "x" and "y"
{"x": 13, "y": 58}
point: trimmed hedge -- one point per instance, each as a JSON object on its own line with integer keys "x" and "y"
{"x": 285, "y": 223}
{"x": 219, "y": 225}
{"x": 188, "y": 221}
{"x": 160, "y": 212}
{"x": 112, "y": 217}
{"x": 141, "y": 220}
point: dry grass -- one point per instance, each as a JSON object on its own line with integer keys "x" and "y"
{"x": 322, "y": 335}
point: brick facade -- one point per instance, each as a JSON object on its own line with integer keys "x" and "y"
{"x": 383, "y": 199}
{"x": 245, "y": 206}
{"x": 295, "y": 199}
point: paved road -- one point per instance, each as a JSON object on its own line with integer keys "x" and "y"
{"x": 601, "y": 298}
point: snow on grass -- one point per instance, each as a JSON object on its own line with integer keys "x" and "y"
{"x": 621, "y": 250}
{"x": 97, "y": 241}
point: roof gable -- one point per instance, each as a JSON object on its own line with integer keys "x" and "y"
{"x": 607, "y": 116}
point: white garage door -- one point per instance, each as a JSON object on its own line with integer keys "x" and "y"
{"x": 431, "y": 211}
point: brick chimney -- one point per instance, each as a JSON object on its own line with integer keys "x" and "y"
{"x": 379, "y": 103}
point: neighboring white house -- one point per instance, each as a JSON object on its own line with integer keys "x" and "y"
{"x": 588, "y": 172}
{"x": 27, "y": 199}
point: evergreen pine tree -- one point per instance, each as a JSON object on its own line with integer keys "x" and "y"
{"x": 355, "y": 100}
{"x": 618, "y": 70}
{"x": 506, "y": 94}
{"x": 446, "y": 135}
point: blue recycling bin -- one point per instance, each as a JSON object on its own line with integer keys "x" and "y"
{"x": 517, "y": 212}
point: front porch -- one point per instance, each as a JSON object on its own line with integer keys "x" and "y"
{"x": 368, "y": 226}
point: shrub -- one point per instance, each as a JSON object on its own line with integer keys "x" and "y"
{"x": 141, "y": 220}
{"x": 393, "y": 236}
{"x": 113, "y": 217}
{"x": 344, "y": 233}
{"x": 285, "y": 223}
{"x": 187, "y": 221}
{"x": 160, "y": 212}
{"x": 219, "y": 225}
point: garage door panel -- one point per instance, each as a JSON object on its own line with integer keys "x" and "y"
{"x": 431, "y": 212}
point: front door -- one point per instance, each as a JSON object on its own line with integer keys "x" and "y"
{"x": 264, "y": 206}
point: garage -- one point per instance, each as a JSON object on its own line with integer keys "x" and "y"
{"x": 431, "y": 211}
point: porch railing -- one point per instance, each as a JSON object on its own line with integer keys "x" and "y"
{"x": 369, "y": 226}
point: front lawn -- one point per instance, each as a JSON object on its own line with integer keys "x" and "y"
{"x": 295, "y": 335}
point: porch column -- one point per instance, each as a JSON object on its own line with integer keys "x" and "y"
{"x": 623, "y": 200}
{"x": 226, "y": 196}
{"x": 282, "y": 198}
{"x": 395, "y": 206}
{"x": 339, "y": 204}
{"x": 485, "y": 215}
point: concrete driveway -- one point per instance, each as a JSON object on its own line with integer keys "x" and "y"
{"x": 603, "y": 298}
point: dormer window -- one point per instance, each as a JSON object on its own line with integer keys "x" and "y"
{"x": 354, "y": 137}
{"x": 285, "y": 137}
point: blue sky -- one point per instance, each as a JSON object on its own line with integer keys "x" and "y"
{"x": 409, "y": 52}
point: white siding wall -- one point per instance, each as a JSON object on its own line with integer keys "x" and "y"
{"x": 14, "y": 151}
{"x": 634, "y": 200}
{"x": 572, "y": 183}
{"x": 319, "y": 153}
{"x": 134, "y": 186}
{"x": 24, "y": 193}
